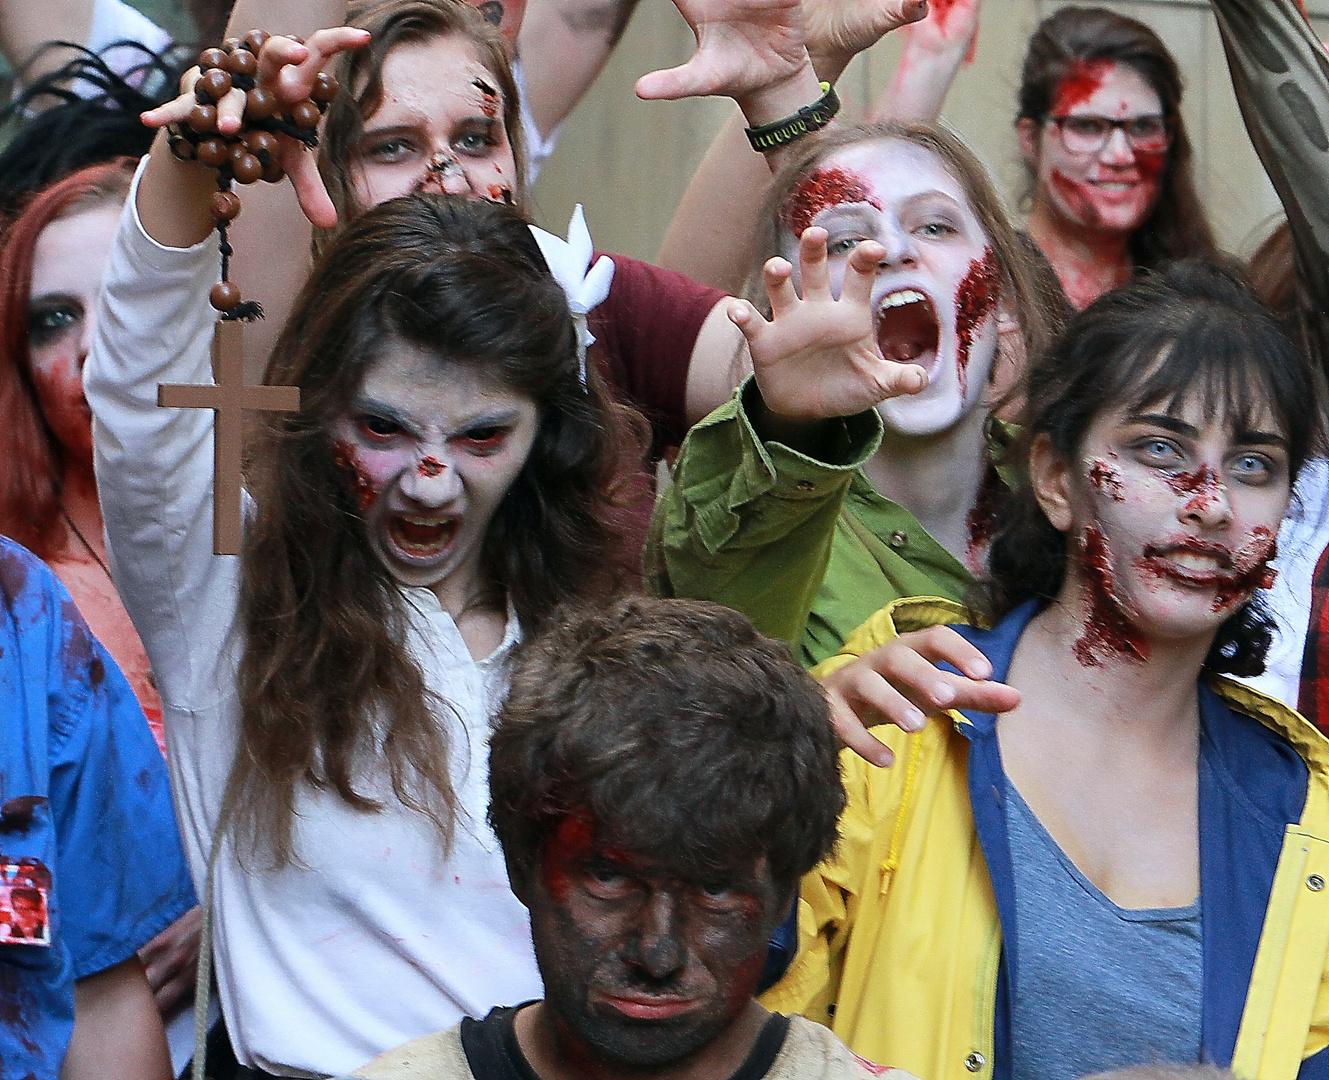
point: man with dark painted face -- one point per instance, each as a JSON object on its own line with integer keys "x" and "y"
{"x": 660, "y": 778}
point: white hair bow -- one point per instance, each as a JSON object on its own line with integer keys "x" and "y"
{"x": 584, "y": 285}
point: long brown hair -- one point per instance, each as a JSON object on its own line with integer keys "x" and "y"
{"x": 33, "y": 460}
{"x": 360, "y": 73}
{"x": 327, "y": 685}
{"x": 1177, "y": 227}
{"x": 1030, "y": 299}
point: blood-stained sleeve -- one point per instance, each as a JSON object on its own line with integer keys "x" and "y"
{"x": 120, "y": 869}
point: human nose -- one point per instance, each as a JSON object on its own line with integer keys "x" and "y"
{"x": 900, "y": 247}
{"x": 1117, "y": 150}
{"x": 432, "y": 480}
{"x": 660, "y": 950}
{"x": 1208, "y": 505}
{"x": 448, "y": 174}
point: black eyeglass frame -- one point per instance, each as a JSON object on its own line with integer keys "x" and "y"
{"x": 1113, "y": 125}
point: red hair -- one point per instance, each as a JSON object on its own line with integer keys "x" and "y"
{"x": 33, "y": 458}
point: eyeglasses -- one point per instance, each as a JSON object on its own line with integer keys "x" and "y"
{"x": 1084, "y": 134}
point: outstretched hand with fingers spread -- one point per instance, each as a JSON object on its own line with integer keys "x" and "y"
{"x": 900, "y": 684}
{"x": 287, "y": 69}
{"x": 818, "y": 358}
{"x": 743, "y": 46}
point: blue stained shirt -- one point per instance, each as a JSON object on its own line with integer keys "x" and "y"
{"x": 84, "y": 803}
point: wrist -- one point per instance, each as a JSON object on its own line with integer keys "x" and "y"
{"x": 782, "y": 98}
{"x": 830, "y": 66}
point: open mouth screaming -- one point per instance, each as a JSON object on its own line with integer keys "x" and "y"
{"x": 908, "y": 331}
{"x": 421, "y": 537}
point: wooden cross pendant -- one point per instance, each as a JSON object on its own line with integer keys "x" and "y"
{"x": 230, "y": 397}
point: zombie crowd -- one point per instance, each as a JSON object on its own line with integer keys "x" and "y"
{"x": 884, "y": 637}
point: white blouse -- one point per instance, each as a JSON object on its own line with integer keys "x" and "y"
{"x": 374, "y": 937}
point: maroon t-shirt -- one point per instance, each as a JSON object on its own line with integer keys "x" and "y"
{"x": 644, "y": 335}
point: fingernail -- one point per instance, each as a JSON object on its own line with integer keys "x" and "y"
{"x": 913, "y": 720}
{"x": 979, "y": 669}
{"x": 943, "y": 694}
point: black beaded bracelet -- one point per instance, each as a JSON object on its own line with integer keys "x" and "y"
{"x": 809, "y": 118}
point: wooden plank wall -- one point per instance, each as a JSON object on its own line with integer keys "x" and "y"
{"x": 629, "y": 161}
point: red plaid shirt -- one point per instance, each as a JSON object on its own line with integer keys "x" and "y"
{"x": 1313, "y": 697}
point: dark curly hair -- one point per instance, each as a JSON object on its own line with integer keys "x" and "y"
{"x": 55, "y": 130}
{"x": 326, "y": 676}
{"x": 679, "y": 731}
{"x": 1189, "y": 329}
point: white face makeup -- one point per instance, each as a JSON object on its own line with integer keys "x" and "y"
{"x": 69, "y": 260}
{"x": 1176, "y": 517}
{"x": 937, "y": 291}
{"x": 439, "y": 128}
{"x": 1114, "y": 189}
{"x": 434, "y": 448}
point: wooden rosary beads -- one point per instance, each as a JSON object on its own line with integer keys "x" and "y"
{"x": 252, "y": 153}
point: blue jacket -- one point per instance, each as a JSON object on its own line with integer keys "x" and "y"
{"x": 908, "y": 945}
{"x": 85, "y": 816}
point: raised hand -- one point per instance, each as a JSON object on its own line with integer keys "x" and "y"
{"x": 287, "y": 70}
{"x": 838, "y": 30}
{"x": 900, "y": 684}
{"x": 951, "y": 25}
{"x": 818, "y": 358}
{"x": 744, "y": 47}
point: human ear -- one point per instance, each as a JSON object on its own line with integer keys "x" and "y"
{"x": 1051, "y": 476}
{"x": 1026, "y": 131}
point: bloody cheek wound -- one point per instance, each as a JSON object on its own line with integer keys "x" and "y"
{"x": 975, "y": 301}
{"x": 820, "y": 191}
{"x": 347, "y": 460}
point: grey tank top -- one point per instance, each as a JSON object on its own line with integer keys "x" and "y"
{"x": 1098, "y": 987}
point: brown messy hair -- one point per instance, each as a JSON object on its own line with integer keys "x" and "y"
{"x": 678, "y": 730}
{"x": 1035, "y": 301}
{"x": 1177, "y": 228}
{"x": 360, "y": 73}
{"x": 328, "y": 688}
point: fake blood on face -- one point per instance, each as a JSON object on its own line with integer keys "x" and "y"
{"x": 1238, "y": 576}
{"x": 365, "y": 492}
{"x": 430, "y": 467}
{"x": 1105, "y": 477}
{"x": 1202, "y": 485}
{"x": 820, "y": 191}
{"x": 975, "y": 301}
{"x": 1083, "y": 80}
{"x": 1107, "y": 634}
{"x": 489, "y": 97}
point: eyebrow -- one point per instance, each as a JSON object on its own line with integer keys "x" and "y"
{"x": 1190, "y": 431}
{"x": 53, "y": 298}
{"x": 497, "y": 418}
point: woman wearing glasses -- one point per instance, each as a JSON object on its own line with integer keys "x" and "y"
{"x": 1109, "y": 163}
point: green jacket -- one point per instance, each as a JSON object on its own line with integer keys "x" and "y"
{"x": 805, "y": 548}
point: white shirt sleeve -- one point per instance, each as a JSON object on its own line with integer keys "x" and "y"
{"x": 114, "y": 21}
{"x": 154, "y": 465}
{"x": 538, "y": 148}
